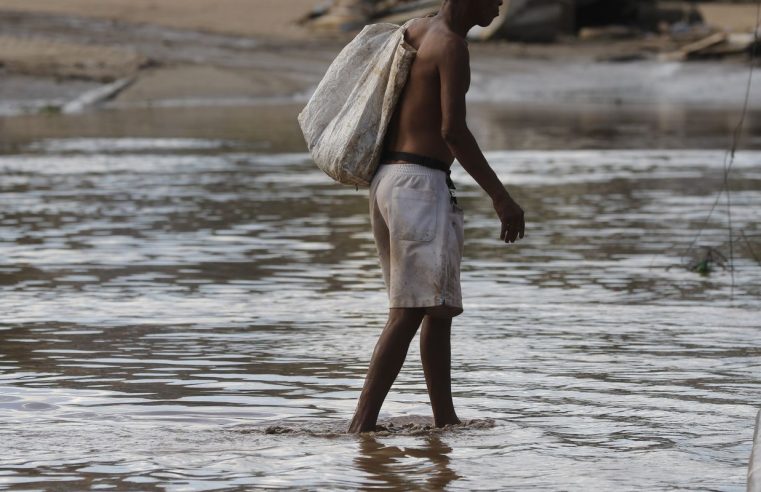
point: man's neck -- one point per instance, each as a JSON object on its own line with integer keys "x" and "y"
{"x": 455, "y": 21}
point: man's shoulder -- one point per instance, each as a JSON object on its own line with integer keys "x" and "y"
{"x": 447, "y": 44}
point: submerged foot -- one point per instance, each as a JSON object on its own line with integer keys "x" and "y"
{"x": 358, "y": 426}
{"x": 453, "y": 420}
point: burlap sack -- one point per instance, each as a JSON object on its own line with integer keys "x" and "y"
{"x": 344, "y": 123}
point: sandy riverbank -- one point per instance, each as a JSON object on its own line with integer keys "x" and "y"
{"x": 258, "y": 18}
{"x": 195, "y": 52}
{"x": 275, "y": 19}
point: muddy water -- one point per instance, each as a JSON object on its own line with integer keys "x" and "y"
{"x": 197, "y": 314}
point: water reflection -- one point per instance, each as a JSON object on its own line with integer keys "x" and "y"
{"x": 161, "y": 298}
{"x": 392, "y": 467}
{"x": 273, "y": 128}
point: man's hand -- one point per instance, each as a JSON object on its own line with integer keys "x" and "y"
{"x": 511, "y": 216}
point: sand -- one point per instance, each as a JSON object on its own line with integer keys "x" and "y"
{"x": 224, "y": 50}
{"x": 737, "y": 18}
{"x": 45, "y": 57}
{"x": 275, "y": 19}
{"x": 168, "y": 63}
{"x": 255, "y": 18}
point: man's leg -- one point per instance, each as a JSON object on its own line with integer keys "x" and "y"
{"x": 388, "y": 357}
{"x": 435, "y": 352}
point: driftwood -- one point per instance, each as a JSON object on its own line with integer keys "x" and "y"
{"x": 693, "y": 48}
{"x": 404, "y": 16}
{"x": 531, "y": 21}
{"x": 402, "y": 11}
{"x": 97, "y": 96}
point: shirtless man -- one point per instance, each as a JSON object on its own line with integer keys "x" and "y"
{"x": 416, "y": 223}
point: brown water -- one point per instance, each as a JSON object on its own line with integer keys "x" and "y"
{"x": 197, "y": 314}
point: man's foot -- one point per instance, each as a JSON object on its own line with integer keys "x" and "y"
{"x": 448, "y": 421}
{"x": 357, "y": 427}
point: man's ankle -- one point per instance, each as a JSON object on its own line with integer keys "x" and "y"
{"x": 448, "y": 420}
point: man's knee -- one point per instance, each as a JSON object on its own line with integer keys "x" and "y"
{"x": 438, "y": 322}
{"x": 406, "y": 318}
{"x": 407, "y": 313}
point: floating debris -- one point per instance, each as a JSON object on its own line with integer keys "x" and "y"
{"x": 707, "y": 260}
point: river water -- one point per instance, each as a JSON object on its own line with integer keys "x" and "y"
{"x": 197, "y": 314}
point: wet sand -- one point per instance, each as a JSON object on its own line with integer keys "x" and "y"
{"x": 406, "y": 425}
{"x": 273, "y": 127}
{"x": 257, "y": 18}
{"x": 182, "y": 52}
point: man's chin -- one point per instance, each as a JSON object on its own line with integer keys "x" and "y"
{"x": 487, "y": 22}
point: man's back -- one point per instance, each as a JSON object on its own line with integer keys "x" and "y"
{"x": 416, "y": 126}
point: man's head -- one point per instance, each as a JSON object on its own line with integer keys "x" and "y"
{"x": 479, "y": 12}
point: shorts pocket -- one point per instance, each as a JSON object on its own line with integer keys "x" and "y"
{"x": 413, "y": 214}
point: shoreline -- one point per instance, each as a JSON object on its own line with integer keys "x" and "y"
{"x": 111, "y": 59}
{"x": 273, "y": 129}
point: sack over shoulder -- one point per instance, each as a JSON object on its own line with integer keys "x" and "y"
{"x": 345, "y": 121}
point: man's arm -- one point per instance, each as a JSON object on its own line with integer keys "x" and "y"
{"x": 454, "y": 74}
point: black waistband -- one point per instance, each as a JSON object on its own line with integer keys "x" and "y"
{"x": 422, "y": 160}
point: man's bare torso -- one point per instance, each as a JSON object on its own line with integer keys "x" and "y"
{"x": 416, "y": 124}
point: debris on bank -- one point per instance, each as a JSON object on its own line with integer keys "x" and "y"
{"x": 707, "y": 260}
{"x": 96, "y": 96}
{"x": 66, "y": 60}
{"x": 644, "y": 29}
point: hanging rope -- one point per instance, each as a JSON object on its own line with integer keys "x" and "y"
{"x": 729, "y": 158}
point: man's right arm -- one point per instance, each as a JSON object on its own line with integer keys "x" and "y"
{"x": 454, "y": 76}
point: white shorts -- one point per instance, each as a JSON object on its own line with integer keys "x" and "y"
{"x": 419, "y": 234}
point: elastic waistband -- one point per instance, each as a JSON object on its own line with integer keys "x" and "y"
{"x": 404, "y": 168}
{"x": 418, "y": 170}
{"x": 411, "y": 158}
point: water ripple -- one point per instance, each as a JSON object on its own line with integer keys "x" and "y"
{"x": 165, "y": 302}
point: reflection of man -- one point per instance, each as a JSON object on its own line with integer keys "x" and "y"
{"x": 417, "y": 225}
{"x": 381, "y": 463}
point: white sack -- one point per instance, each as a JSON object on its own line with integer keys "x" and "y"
{"x": 344, "y": 123}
